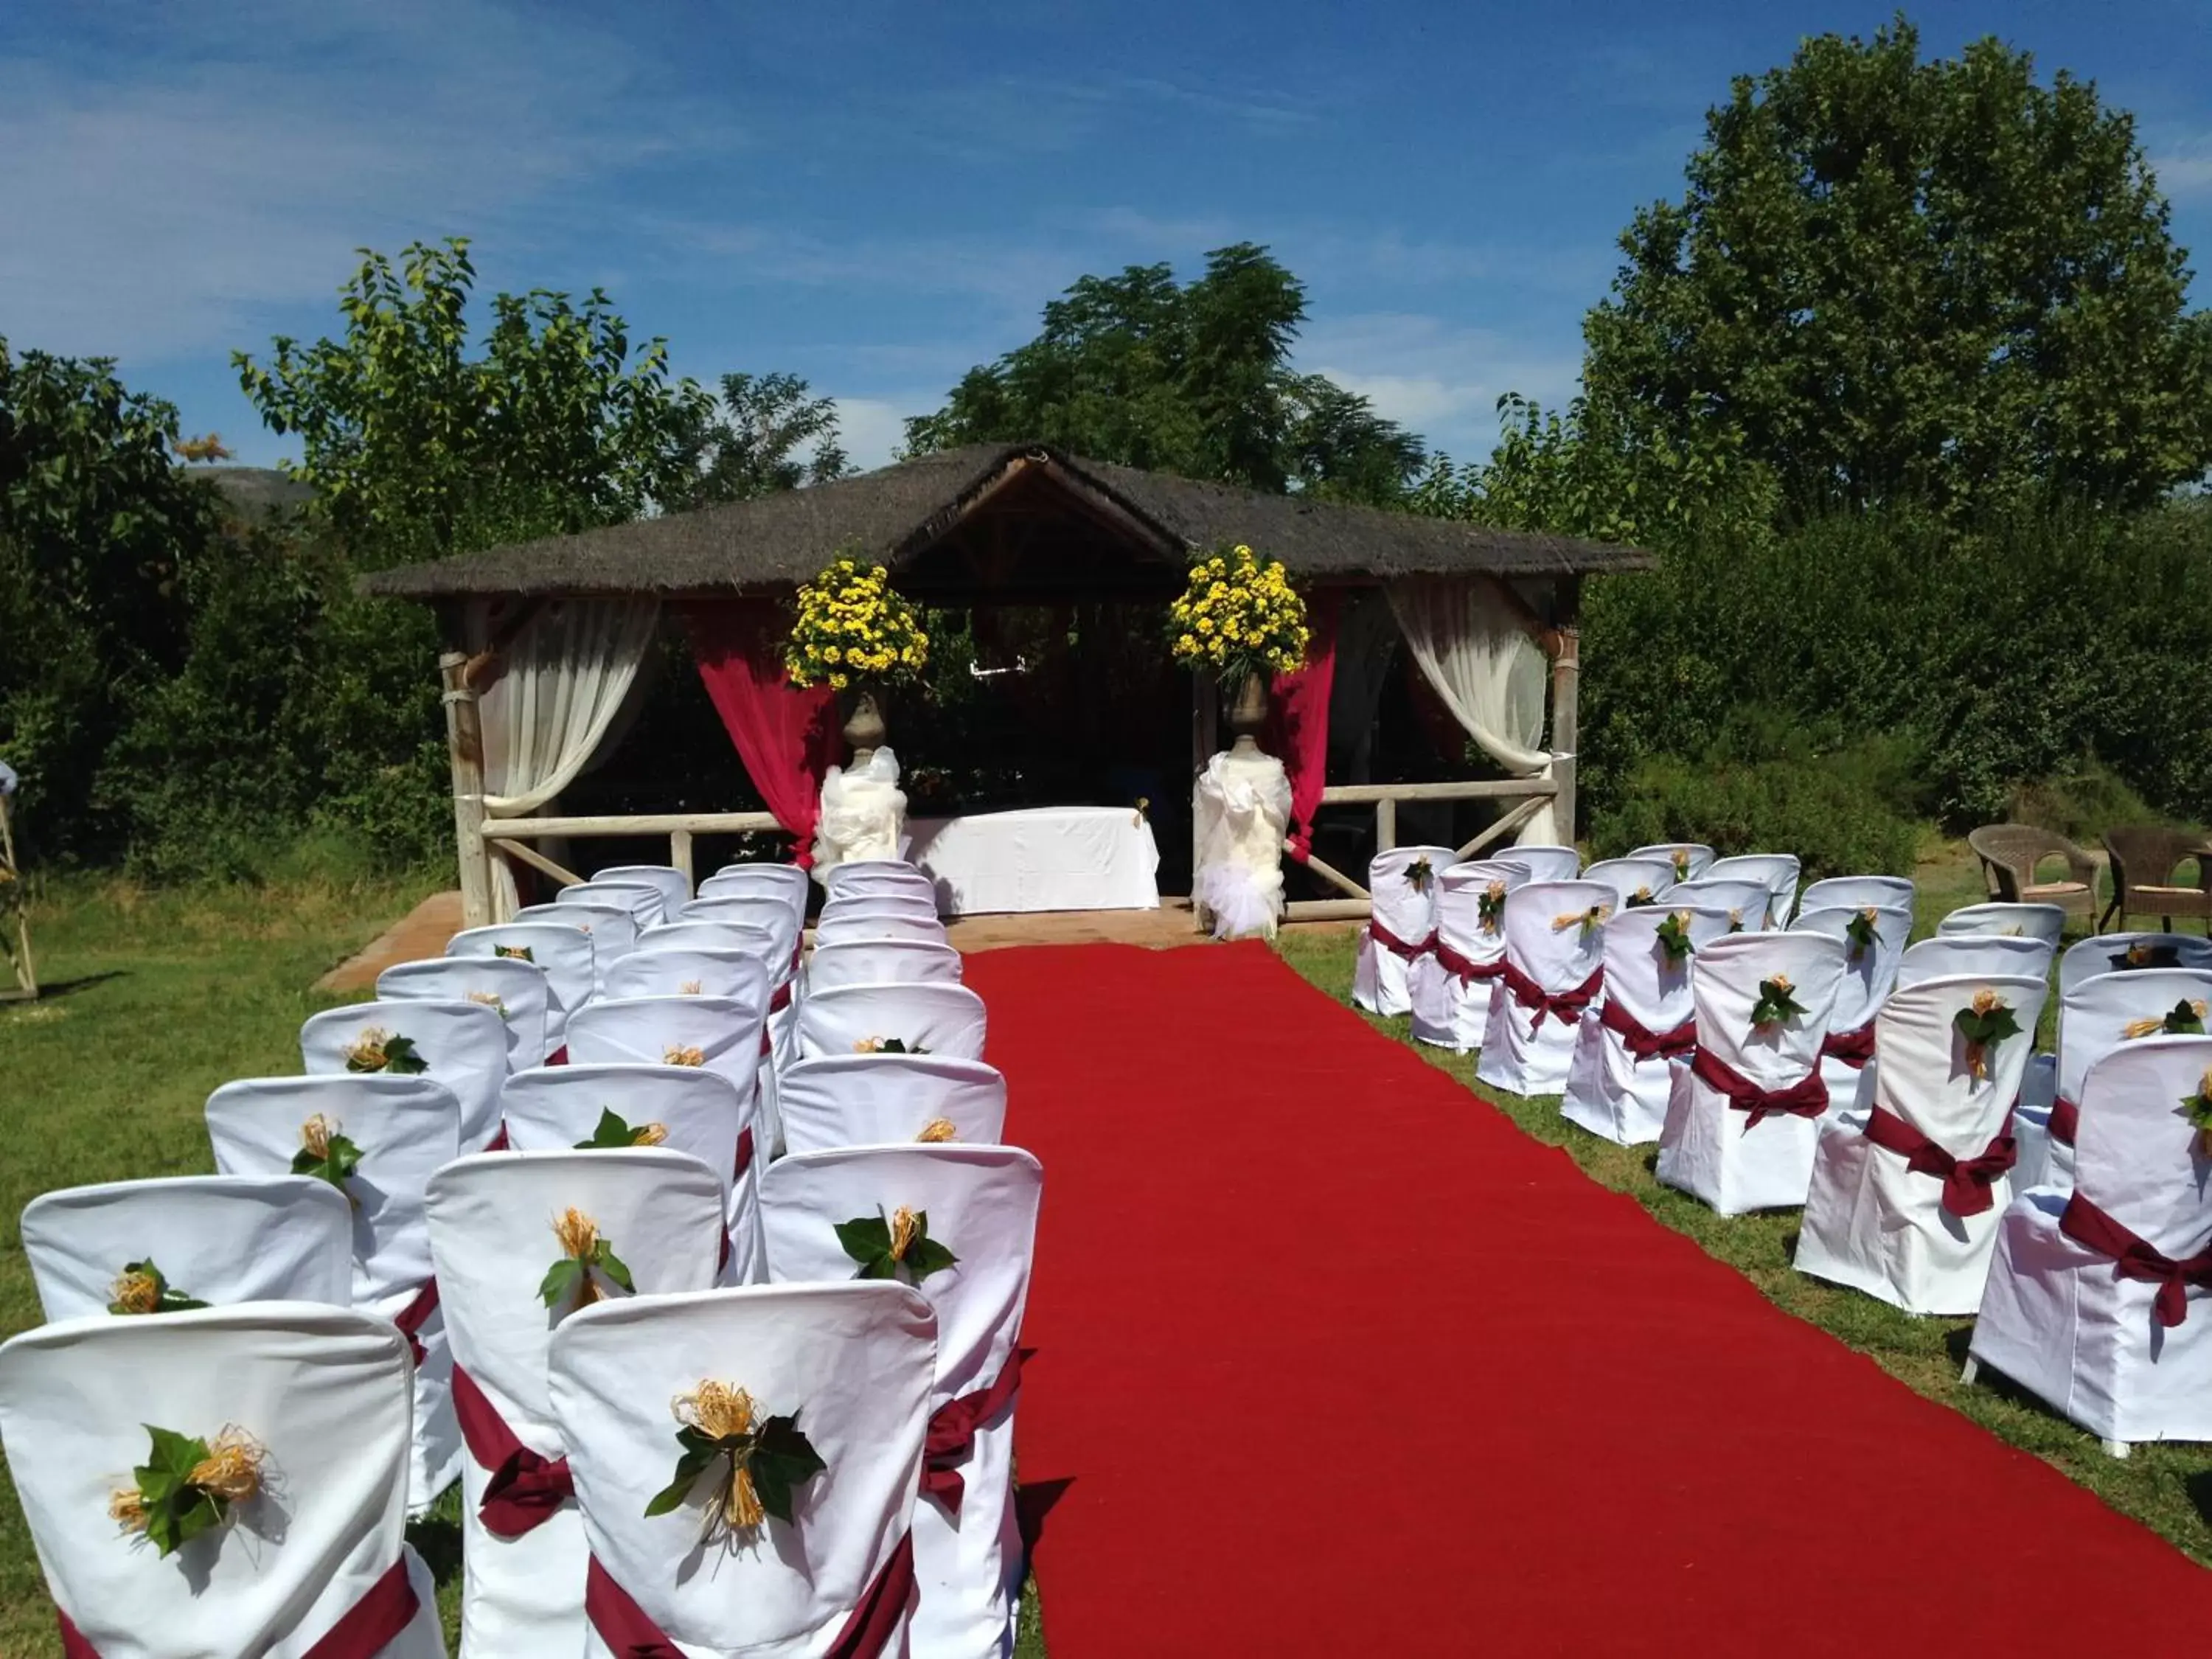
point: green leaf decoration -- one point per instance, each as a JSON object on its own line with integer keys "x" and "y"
{"x": 894, "y": 1247}
{"x": 782, "y": 1460}
{"x": 399, "y": 1056}
{"x": 2185, "y": 1018}
{"x": 1776, "y": 1003}
{"x": 613, "y": 1133}
{"x": 1988, "y": 1022}
{"x": 611, "y": 1265}
{"x": 562, "y": 1279}
{"x": 1639, "y": 899}
{"x": 1490, "y": 909}
{"x": 514, "y": 952}
{"x": 187, "y": 1485}
{"x": 876, "y": 1045}
{"x": 142, "y": 1289}
{"x": 1419, "y": 874}
{"x": 2142, "y": 954}
{"x": 699, "y": 1454}
{"x": 756, "y": 1463}
{"x": 2197, "y": 1108}
{"x": 1861, "y": 933}
{"x": 1674, "y": 936}
{"x": 583, "y": 1253}
{"x": 340, "y": 1158}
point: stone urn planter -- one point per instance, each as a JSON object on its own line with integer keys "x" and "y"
{"x": 864, "y": 722}
{"x": 1247, "y": 712}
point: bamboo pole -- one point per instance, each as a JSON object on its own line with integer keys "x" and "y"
{"x": 641, "y": 823}
{"x": 537, "y": 861}
{"x": 1494, "y": 831}
{"x": 465, "y": 750}
{"x": 1566, "y": 698}
{"x": 1350, "y": 794}
{"x": 1326, "y": 910}
{"x": 26, "y": 974}
{"x": 679, "y": 854}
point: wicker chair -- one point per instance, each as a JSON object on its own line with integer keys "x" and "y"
{"x": 2143, "y": 858}
{"x": 2009, "y": 853}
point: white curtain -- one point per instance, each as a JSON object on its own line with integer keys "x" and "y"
{"x": 1471, "y": 638}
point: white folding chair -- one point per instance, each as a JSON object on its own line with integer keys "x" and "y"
{"x": 863, "y": 1100}
{"x": 697, "y": 1112}
{"x": 786, "y": 881}
{"x": 1851, "y": 892}
{"x": 1948, "y": 956}
{"x": 1633, "y": 881}
{"x": 613, "y": 927}
{"x": 312, "y": 1562}
{"x": 769, "y": 911}
{"x": 929, "y": 1015}
{"x": 866, "y": 923}
{"x": 1777, "y": 871}
{"x": 2094, "y": 1020}
{"x": 720, "y": 1034}
{"x": 1741, "y": 1112}
{"x": 853, "y": 1364}
{"x": 680, "y": 972}
{"x": 461, "y": 1044}
{"x": 880, "y": 961}
{"x": 2046, "y": 922}
{"x": 673, "y": 886}
{"x": 518, "y": 990}
{"x": 753, "y": 941}
{"x": 402, "y": 1128}
{"x": 981, "y": 1204}
{"x": 836, "y": 911}
{"x": 2127, "y": 953}
{"x": 214, "y": 1239}
{"x": 1617, "y": 1079}
{"x": 1545, "y": 863}
{"x": 1748, "y": 903}
{"x": 493, "y": 1233}
{"x": 560, "y": 948}
{"x": 1450, "y": 985}
{"x": 1870, "y": 975}
{"x": 642, "y": 899}
{"x": 2124, "y": 1351}
{"x": 1687, "y": 858}
{"x": 1905, "y": 1197}
{"x": 1554, "y": 968}
{"x": 860, "y": 876}
{"x": 1402, "y": 885}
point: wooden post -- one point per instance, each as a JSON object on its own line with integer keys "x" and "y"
{"x": 679, "y": 854}
{"x": 18, "y": 948}
{"x": 1386, "y": 824}
{"x": 1567, "y": 687}
{"x": 464, "y": 749}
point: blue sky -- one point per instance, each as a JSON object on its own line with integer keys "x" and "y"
{"x": 877, "y": 195}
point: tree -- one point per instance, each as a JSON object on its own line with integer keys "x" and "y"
{"x": 1913, "y": 283}
{"x": 749, "y": 444}
{"x": 417, "y": 450}
{"x": 1192, "y": 380}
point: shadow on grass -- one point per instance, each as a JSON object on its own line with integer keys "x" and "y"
{"x": 62, "y": 987}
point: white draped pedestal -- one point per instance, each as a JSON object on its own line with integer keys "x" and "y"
{"x": 1041, "y": 858}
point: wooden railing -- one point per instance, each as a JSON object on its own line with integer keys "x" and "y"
{"x": 507, "y": 837}
{"x": 1530, "y": 792}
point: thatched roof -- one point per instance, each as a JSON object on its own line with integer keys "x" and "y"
{"x": 898, "y": 513}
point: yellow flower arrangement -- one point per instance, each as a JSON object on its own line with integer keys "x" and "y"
{"x": 1239, "y": 616}
{"x": 853, "y": 629}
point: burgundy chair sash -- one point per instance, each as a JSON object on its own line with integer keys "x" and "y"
{"x": 1806, "y": 1098}
{"x": 526, "y": 1487}
{"x": 629, "y": 1630}
{"x": 498, "y": 1143}
{"x": 363, "y": 1630}
{"x": 744, "y": 1153}
{"x": 2065, "y": 1120}
{"x": 1640, "y": 1040}
{"x": 1396, "y": 946}
{"x": 559, "y": 1057}
{"x": 1465, "y": 970}
{"x": 412, "y": 1318}
{"x": 781, "y": 1000}
{"x": 952, "y": 1432}
{"x": 2085, "y": 1223}
{"x": 1854, "y": 1048}
{"x": 1967, "y": 1180}
{"x": 1565, "y": 1007}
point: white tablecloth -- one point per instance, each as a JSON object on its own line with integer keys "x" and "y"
{"x": 1042, "y": 858}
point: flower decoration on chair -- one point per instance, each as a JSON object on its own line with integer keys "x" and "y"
{"x": 142, "y": 1288}
{"x": 938, "y": 1130}
{"x": 2184, "y": 1019}
{"x": 854, "y": 628}
{"x": 514, "y": 952}
{"x": 1860, "y": 933}
{"x": 1640, "y": 897}
{"x": 1988, "y": 1021}
{"x": 379, "y": 1050}
{"x": 188, "y": 1486}
{"x": 1674, "y": 936}
{"x": 1490, "y": 909}
{"x": 325, "y": 1153}
{"x": 884, "y": 1045}
{"x": 2198, "y": 1109}
{"x": 756, "y": 1462}
{"x": 676, "y": 1054}
{"x": 613, "y": 1132}
{"x": 1238, "y": 615}
{"x": 1588, "y": 921}
{"x": 1420, "y": 875}
{"x": 1681, "y": 858}
{"x": 1777, "y": 1005}
{"x": 584, "y": 1256}
{"x": 493, "y": 1000}
{"x": 1735, "y": 921}
{"x": 2143, "y": 954}
{"x": 691, "y": 987}
{"x": 896, "y": 1246}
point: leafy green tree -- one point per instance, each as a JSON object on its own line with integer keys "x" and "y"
{"x": 1905, "y": 283}
{"x": 1193, "y": 379}
{"x": 751, "y": 444}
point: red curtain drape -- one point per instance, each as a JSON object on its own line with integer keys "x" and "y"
{"x": 1298, "y": 717}
{"x": 787, "y": 737}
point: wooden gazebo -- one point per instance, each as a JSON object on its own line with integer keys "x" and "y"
{"x": 997, "y": 523}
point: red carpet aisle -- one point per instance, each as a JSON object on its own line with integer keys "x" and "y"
{"x": 1335, "y": 1362}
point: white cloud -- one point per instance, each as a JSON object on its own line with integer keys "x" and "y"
{"x": 1439, "y": 379}
{"x": 873, "y": 426}
{"x": 2183, "y": 169}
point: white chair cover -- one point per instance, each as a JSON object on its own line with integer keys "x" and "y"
{"x": 613, "y": 927}
{"x": 323, "y": 1389}
{"x": 560, "y": 948}
{"x": 1710, "y": 1148}
{"x": 1449, "y": 1010}
{"x": 518, "y": 991}
{"x": 855, "y": 1363}
{"x": 463, "y": 1045}
{"x": 770, "y": 912}
{"x": 406, "y": 1129}
{"x": 666, "y": 879}
{"x": 880, "y": 961}
{"x": 641, "y": 898}
{"x": 1748, "y": 903}
{"x": 857, "y": 876}
{"x": 219, "y": 1239}
{"x": 862, "y": 1100}
{"x": 762, "y": 876}
{"x": 1872, "y": 1222}
{"x": 1546, "y": 863}
{"x": 874, "y": 922}
{"x": 2057, "y": 1317}
{"x": 647, "y": 1031}
{"x": 1869, "y": 975}
{"x": 1407, "y": 914}
{"x": 490, "y": 1221}
{"x": 2046, "y": 922}
{"x": 1693, "y": 857}
{"x": 1609, "y": 1090}
{"x": 1777, "y": 871}
{"x": 944, "y": 1019}
{"x": 982, "y": 1204}
{"x": 1528, "y": 1050}
{"x": 1989, "y": 955}
{"x": 2127, "y": 953}
{"x": 1849, "y": 892}
{"x": 739, "y": 975}
{"x": 1642, "y": 880}
{"x": 752, "y": 941}
{"x": 2093, "y": 1022}
{"x": 902, "y": 903}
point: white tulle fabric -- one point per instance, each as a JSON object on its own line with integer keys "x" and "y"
{"x": 406, "y": 1129}
{"x": 1450, "y": 1012}
{"x": 862, "y": 1100}
{"x": 863, "y": 813}
{"x": 463, "y": 1045}
{"x": 1408, "y": 911}
{"x": 1527, "y": 1050}
{"x": 1609, "y": 1091}
{"x": 2046, "y": 922}
{"x": 857, "y": 1363}
{"x": 324, "y": 1389}
{"x": 1747, "y": 901}
{"x": 944, "y": 1019}
{"x": 563, "y": 951}
{"x": 666, "y": 879}
{"x": 1775, "y": 871}
{"x": 1696, "y": 856}
{"x": 739, "y": 975}
{"x": 1869, "y": 975}
{"x": 519, "y": 992}
{"x": 982, "y": 1202}
{"x": 1849, "y": 892}
{"x": 1471, "y": 640}
{"x": 2056, "y": 1317}
{"x": 1240, "y": 812}
{"x": 491, "y": 1235}
{"x": 1878, "y": 1226}
{"x": 2107, "y": 953}
{"x": 1987, "y": 954}
{"x": 2093, "y": 1022}
{"x": 1706, "y": 1147}
{"x": 613, "y": 928}
{"x": 220, "y": 1239}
